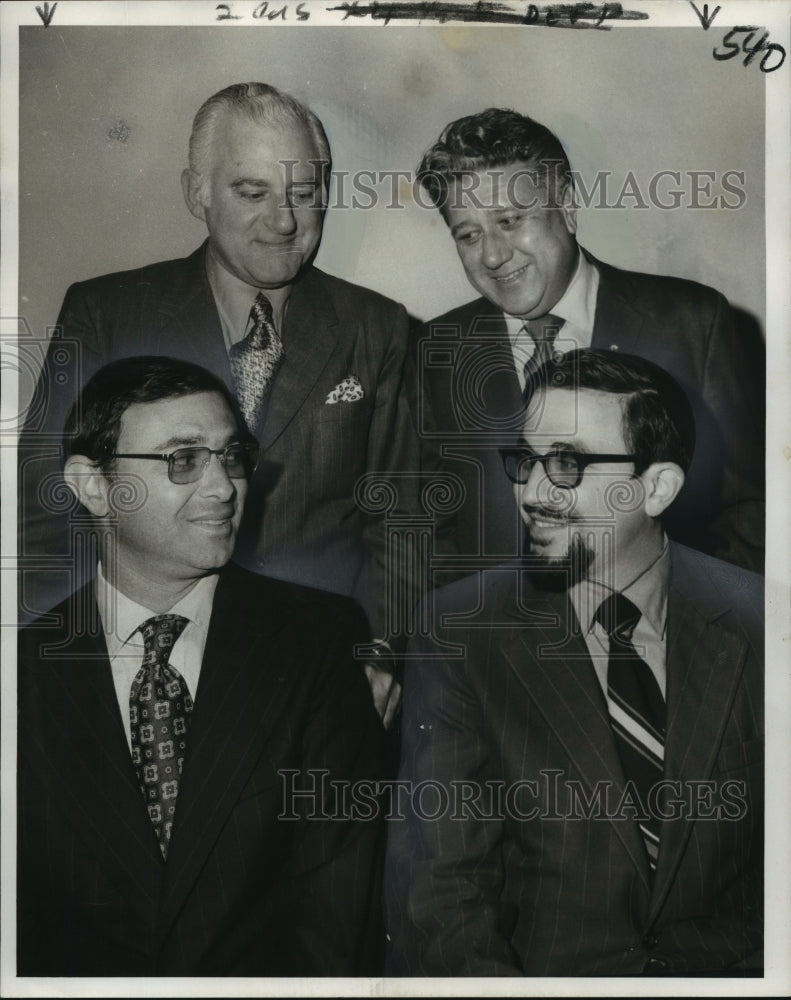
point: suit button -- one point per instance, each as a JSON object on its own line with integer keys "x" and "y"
{"x": 613, "y": 347}
{"x": 650, "y": 942}
{"x": 655, "y": 967}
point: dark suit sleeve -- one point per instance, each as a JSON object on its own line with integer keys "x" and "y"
{"x": 444, "y": 868}
{"x": 733, "y": 389}
{"x": 394, "y": 558}
{"x": 329, "y": 902}
{"x": 45, "y": 504}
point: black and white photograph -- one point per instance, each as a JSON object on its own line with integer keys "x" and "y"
{"x": 395, "y": 498}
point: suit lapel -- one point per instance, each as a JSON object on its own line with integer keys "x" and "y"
{"x": 85, "y": 748}
{"x": 310, "y": 334}
{"x": 704, "y": 664}
{"x": 617, "y": 323}
{"x": 188, "y": 320}
{"x": 237, "y": 695}
{"x": 552, "y": 662}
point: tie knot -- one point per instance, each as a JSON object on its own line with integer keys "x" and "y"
{"x": 544, "y": 329}
{"x": 159, "y": 635}
{"x": 261, "y": 311}
{"x": 618, "y": 616}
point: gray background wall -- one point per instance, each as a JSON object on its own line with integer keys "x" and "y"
{"x": 105, "y": 114}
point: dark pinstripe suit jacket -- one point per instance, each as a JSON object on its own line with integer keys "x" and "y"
{"x": 301, "y": 519}
{"x": 243, "y": 892}
{"x": 543, "y": 884}
{"x": 467, "y": 373}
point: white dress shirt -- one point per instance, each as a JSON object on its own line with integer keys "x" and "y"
{"x": 234, "y": 299}
{"x": 121, "y": 621}
{"x": 648, "y": 592}
{"x": 577, "y": 306}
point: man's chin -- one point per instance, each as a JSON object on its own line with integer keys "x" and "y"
{"x": 557, "y": 571}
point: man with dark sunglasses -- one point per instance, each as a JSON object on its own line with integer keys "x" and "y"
{"x": 169, "y": 709}
{"x": 583, "y": 736}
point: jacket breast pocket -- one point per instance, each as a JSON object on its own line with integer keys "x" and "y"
{"x": 736, "y": 756}
{"x": 339, "y": 438}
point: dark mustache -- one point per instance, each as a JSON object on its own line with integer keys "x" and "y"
{"x": 545, "y": 514}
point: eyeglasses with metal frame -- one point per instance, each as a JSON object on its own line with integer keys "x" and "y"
{"x": 187, "y": 465}
{"x": 563, "y": 468}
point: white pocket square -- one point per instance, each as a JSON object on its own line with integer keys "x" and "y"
{"x": 347, "y": 391}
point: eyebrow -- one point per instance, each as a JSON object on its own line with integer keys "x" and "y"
{"x": 249, "y": 182}
{"x": 193, "y": 441}
{"x": 555, "y": 446}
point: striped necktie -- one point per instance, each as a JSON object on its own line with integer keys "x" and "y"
{"x": 637, "y": 711}
{"x": 543, "y": 332}
{"x": 255, "y": 361}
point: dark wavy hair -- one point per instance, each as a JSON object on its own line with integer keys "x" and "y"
{"x": 658, "y": 424}
{"x": 493, "y": 138}
{"x": 93, "y": 424}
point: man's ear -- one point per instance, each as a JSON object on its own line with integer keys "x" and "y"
{"x": 193, "y": 195}
{"x": 564, "y": 197}
{"x": 87, "y": 482}
{"x": 663, "y": 482}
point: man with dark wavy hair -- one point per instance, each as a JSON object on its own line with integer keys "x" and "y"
{"x": 166, "y": 708}
{"x": 583, "y": 736}
{"x": 504, "y": 186}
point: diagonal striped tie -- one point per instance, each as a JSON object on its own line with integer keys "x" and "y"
{"x": 637, "y": 711}
{"x": 543, "y": 332}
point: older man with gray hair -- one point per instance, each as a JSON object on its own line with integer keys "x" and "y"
{"x": 317, "y": 364}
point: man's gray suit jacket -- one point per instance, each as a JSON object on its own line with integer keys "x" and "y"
{"x": 548, "y": 875}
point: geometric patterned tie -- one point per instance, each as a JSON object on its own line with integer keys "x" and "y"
{"x": 255, "y": 361}
{"x": 159, "y": 709}
{"x": 637, "y": 710}
{"x": 543, "y": 332}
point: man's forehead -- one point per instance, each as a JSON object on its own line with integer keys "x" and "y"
{"x": 584, "y": 416}
{"x": 286, "y": 140}
{"x": 198, "y": 417}
{"x": 514, "y": 185}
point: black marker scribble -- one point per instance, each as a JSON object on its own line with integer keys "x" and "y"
{"x": 575, "y": 15}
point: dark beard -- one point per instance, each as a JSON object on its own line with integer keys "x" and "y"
{"x": 558, "y": 575}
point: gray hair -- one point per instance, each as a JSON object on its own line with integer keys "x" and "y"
{"x": 257, "y": 102}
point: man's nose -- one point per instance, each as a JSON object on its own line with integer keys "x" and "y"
{"x": 495, "y": 250}
{"x": 533, "y": 492}
{"x": 215, "y": 480}
{"x": 280, "y": 218}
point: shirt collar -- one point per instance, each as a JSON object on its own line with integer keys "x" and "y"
{"x": 577, "y": 305}
{"x": 122, "y": 617}
{"x": 648, "y": 592}
{"x": 234, "y": 298}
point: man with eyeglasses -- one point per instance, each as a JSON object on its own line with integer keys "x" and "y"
{"x": 586, "y": 729}
{"x": 169, "y": 709}
{"x": 505, "y": 188}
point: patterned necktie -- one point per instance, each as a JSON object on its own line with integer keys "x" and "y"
{"x": 255, "y": 361}
{"x": 543, "y": 332}
{"x": 159, "y": 709}
{"x": 637, "y": 710}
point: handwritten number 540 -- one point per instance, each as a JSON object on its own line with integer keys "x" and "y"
{"x": 731, "y": 43}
